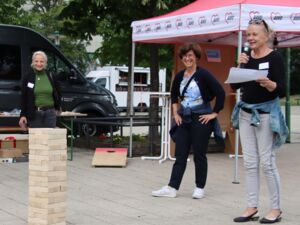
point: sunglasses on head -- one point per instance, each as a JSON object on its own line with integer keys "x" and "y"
{"x": 258, "y": 22}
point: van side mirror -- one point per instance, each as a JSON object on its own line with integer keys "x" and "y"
{"x": 74, "y": 77}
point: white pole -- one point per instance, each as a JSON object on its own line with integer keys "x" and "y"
{"x": 131, "y": 97}
{"x": 236, "y": 144}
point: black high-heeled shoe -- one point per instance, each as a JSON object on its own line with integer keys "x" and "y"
{"x": 253, "y": 217}
{"x": 275, "y": 220}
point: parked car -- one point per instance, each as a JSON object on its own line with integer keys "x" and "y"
{"x": 78, "y": 94}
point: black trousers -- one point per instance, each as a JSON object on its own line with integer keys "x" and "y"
{"x": 195, "y": 135}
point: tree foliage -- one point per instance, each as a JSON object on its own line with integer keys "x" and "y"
{"x": 11, "y": 12}
{"x": 295, "y": 71}
{"x": 112, "y": 19}
{"x": 42, "y": 16}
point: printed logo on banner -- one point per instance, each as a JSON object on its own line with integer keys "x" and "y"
{"x": 215, "y": 19}
{"x": 168, "y": 25}
{"x": 202, "y": 20}
{"x": 179, "y": 23}
{"x": 138, "y": 29}
{"x": 295, "y": 17}
{"x": 229, "y": 17}
{"x": 276, "y": 16}
{"x": 189, "y": 22}
{"x": 255, "y": 15}
{"x": 157, "y": 27}
{"x": 147, "y": 28}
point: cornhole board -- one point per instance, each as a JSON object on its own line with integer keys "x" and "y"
{"x": 110, "y": 157}
{"x": 8, "y": 148}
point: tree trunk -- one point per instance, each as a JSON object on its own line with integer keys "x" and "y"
{"x": 154, "y": 87}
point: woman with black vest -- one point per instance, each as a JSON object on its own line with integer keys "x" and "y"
{"x": 40, "y": 101}
{"x": 192, "y": 91}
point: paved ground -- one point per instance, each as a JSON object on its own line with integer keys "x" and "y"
{"x": 121, "y": 196}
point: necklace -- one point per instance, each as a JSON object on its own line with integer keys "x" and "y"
{"x": 188, "y": 74}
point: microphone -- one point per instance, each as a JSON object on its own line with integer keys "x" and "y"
{"x": 246, "y": 50}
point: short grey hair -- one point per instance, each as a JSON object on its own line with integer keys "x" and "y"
{"x": 43, "y": 54}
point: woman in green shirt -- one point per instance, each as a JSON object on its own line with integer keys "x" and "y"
{"x": 40, "y": 95}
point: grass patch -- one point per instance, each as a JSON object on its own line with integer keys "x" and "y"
{"x": 294, "y": 100}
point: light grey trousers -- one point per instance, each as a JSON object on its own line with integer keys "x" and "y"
{"x": 257, "y": 145}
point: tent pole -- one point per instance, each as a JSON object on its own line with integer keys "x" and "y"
{"x": 287, "y": 98}
{"x": 131, "y": 97}
{"x": 236, "y": 143}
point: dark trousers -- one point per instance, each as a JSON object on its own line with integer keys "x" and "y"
{"x": 195, "y": 135}
{"x": 44, "y": 119}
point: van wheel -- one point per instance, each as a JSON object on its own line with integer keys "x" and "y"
{"x": 89, "y": 130}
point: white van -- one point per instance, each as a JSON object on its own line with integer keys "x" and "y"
{"x": 115, "y": 79}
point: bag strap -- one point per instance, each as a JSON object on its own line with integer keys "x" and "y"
{"x": 186, "y": 86}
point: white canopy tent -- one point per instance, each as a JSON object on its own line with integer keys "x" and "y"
{"x": 219, "y": 22}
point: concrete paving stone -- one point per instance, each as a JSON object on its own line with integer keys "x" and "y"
{"x": 122, "y": 196}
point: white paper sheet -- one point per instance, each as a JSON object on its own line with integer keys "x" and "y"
{"x": 239, "y": 75}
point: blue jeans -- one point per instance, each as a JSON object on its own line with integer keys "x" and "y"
{"x": 44, "y": 119}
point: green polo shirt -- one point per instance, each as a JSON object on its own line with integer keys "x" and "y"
{"x": 43, "y": 90}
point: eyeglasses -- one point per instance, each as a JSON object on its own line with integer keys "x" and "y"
{"x": 258, "y": 22}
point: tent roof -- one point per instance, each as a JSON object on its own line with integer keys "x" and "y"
{"x": 219, "y": 21}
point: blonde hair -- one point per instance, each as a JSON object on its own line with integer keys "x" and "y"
{"x": 43, "y": 54}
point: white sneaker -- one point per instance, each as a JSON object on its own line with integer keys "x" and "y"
{"x": 165, "y": 191}
{"x": 198, "y": 193}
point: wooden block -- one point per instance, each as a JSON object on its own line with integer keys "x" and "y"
{"x": 37, "y": 211}
{"x": 48, "y": 131}
{"x": 38, "y": 147}
{"x": 60, "y": 167}
{"x": 37, "y": 221}
{"x": 56, "y": 218}
{"x": 35, "y": 183}
{"x": 62, "y": 142}
{"x": 38, "y": 167}
{"x": 57, "y": 186}
{"x": 57, "y": 207}
{"x": 46, "y": 173}
{"x": 38, "y": 173}
{"x": 47, "y": 194}
{"x": 38, "y": 203}
{"x": 38, "y": 189}
{"x": 110, "y": 157}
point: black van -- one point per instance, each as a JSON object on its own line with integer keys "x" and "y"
{"x": 78, "y": 94}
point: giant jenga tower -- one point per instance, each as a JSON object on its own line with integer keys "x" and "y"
{"x": 47, "y": 176}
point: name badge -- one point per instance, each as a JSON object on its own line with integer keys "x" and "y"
{"x": 263, "y": 66}
{"x": 30, "y": 85}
